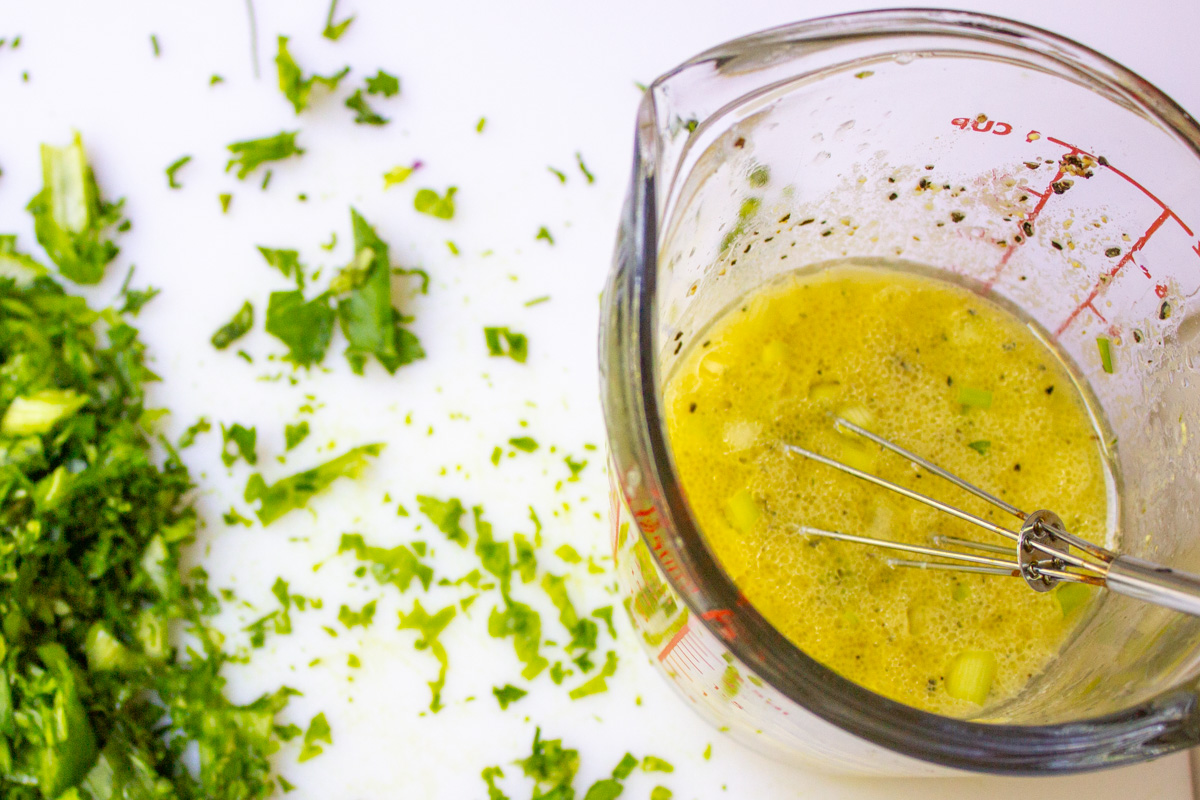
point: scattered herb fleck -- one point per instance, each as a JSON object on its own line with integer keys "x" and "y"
{"x": 297, "y": 88}
{"x": 174, "y": 168}
{"x": 248, "y": 155}
{"x": 427, "y": 201}
{"x": 384, "y": 84}
{"x": 363, "y": 113}
{"x": 1106, "y": 358}
{"x": 507, "y": 694}
{"x": 295, "y": 491}
{"x": 503, "y": 342}
{"x": 236, "y": 328}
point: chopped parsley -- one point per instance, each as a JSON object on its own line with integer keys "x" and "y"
{"x": 568, "y": 554}
{"x": 525, "y": 626}
{"x": 154, "y": 45}
{"x": 188, "y": 438}
{"x": 70, "y": 218}
{"x": 445, "y": 514}
{"x": 430, "y": 627}
{"x": 384, "y": 84}
{"x": 295, "y": 491}
{"x": 295, "y": 434}
{"x": 1106, "y": 359}
{"x": 363, "y": 113}
{"x": 525, "y": 444}
{"x": 334, "y": 30}
{"x": 362, "y": 618}
{"x": 236, "y": 328}
{"x": 479, "y": 126}
{"x": 226, "y": 198}
{"x": 287, "y": 262}
{"x": 297, "y": 88}
{"x": 248, "y": 155}
{"x": 544, "y": 233}
{"x": 575, "y": 467}
{"x": 551, "y": 766}
{"x": 135, "y": 299}
{"x": 655, "y": 764}
{"x": 507, "y": 694}
{"x": 583, "y": 168}
{"x": 397, "y": 175}
{"x": 504, "y": 342}
{"x": 661, "y": 793}
{"x": 243, "y": 440}
{"x": 397, "y": 566}
{"x": 305, "y": 327}
{"x": 173, "y": 168}
{"x": 974, "y": 398}
{"x": 427, "y": 201}
{"x": 980, "y": 446}
{"x": 558, "y": 173}
{"x": 318, "y": 731}
{"x": 597, "y": 684}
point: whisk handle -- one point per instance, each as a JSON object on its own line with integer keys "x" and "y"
{"x": 1154, "y": 583}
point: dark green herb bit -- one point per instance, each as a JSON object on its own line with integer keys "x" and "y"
{"x": 287, "y": 262}
{"x": 297, "y": 88}
{"x": 334, "y": 30}
{"x": 980, "y": 446}
{"x": 173, "y": 168}
{"x": 525, "y": 626}
{"x": 135, "y": 299}
{"x": 551, "y": 766}
{"x": 295, "y": 491}
{"x": 215, "y": 79}
{"x": 558, "y": 173}
{"x": 200, "y": 426}
{"x": 430, "y": 627}
{"x": 508, "y": 694}
{"x": 318, "y": 731}
{"x": 503, "y": 342}
{"x": 597, "y": 684}
{"x": 445, "y": 514}
{"x": 363, "y": 113}
{"x": 305, "y": 327}
{"x": 489, "y": 776}
{"x": 248, "y": 155}
{"x": 1106, "y": 357}
{"x": 525, "y": 444}
{"x": 70, "y": 218}
{"x": 384, "y": 84}
{"x": 397, "y": 566}
{"x": 234, "y": 517}
{"x": 295, "y": 434}
{"x": 575, "y": 467}
{"x": 544, "y": 233}
{"x": 371, "y": 324}
{"x": 427, "y": 201}
{"x": 583, "y": 168}
{"x": 236, "y": 328}
{"x": 243, "y": 440}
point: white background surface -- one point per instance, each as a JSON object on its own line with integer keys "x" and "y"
{"x": 552, "y": 79}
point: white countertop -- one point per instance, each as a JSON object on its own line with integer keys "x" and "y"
{"x": 552, "y": 79}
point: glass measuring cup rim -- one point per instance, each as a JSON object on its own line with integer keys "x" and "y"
{"x": 1072, "y": 746}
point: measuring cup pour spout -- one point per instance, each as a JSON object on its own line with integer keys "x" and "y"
{"x": 958, "y": 163}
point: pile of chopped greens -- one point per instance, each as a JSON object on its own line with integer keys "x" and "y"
{"x": 95, "y": 702}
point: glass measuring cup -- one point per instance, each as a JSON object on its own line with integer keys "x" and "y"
{"x": 1010, "y": 160}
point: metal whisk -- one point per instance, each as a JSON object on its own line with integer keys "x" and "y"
{"x": 1043, "y": 553}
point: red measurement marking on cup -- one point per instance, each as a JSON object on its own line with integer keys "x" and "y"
{"x": 720, "y": 618}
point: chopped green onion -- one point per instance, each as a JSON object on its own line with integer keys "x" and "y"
{"x": 970, "y": 675}
{"x": 1106, "y": 359}
{"x": 975, "y": 398}
{"x": 981, "y": 446}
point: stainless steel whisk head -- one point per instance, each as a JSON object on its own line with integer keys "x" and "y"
{"x": 1043, "y": 552}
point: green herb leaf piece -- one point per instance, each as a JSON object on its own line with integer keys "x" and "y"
{"x": 173, "y": 168}
{"x": 295, "y": 87}
{"x": 607, "y": 789}
{"x": 363, "y": 113}
{"x": 1106, "y": 357}
{"x": 661, "y": 793}
{"x": 525, "y": 626}
{"x": 583, "y": 168}
{"x": 980, "y": 446}
{"x": 305, "y": 327}
{"x": 39, "y": 412}
{"x": 489, "y": 777}
{"x": 287, "y": 262}
{"x": 22, "y": 268}
{"x": 427, "y": 201}
{"x": 430, "y": 627}
{"x": 70, "y": 218}
{"x": 236, "y": 328}
{"x": 568, "y": 554}
{"x": 525, "y": 444}
{"x": 551, "y": 766}
{"x": 248, "y": 155}
{"x": 445, "y": 514}
{"x": 507, "y": 694}
{"x": 974, "y": 398}
{"x": 371, "y": 325}
{"x": 625, "y": 767}
{"x": 318, "y": 731}
{"x": 397, "y": 175}
{"x": 384, "y": 84}
{"x": 200, "y": 426}
{"x": 597, "y": 684}
{"x": 655, "y": 764}
{"x": 334, "y": 30}
{"x": 361, "y": 618}
{"x": 295, "y": 434}
{"x": 496, "y": 557}
{"x": 504, "y": 342}
{"x": 544, "y": 233}
{"x": 243, "y": 441}
{"x": 397, "y": 566}
{"x": 295, "y": 491}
